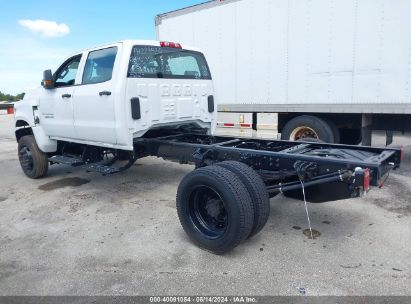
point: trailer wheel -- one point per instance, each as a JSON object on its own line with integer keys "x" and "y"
{"x": 214, "y": 209}
{"x": 257, "y": 190}
{"x": 33, "y": 161}
{"x": 307, "y": 126}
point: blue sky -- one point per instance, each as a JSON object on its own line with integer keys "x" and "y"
{"x": 29, "y": 46}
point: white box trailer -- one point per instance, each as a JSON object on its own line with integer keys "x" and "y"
{"x": 333, "y": 69}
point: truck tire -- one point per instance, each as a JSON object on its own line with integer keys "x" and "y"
{"x": 257, "y": 190}
{"x": 214, "y": 209}
{"x": 33, "y": 161}
{"x": 307, "y": 126}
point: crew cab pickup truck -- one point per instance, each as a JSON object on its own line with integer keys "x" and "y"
{"x": 106, "y": 107}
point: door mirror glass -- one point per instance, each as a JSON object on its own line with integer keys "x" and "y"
{"x": 48, "y": 82}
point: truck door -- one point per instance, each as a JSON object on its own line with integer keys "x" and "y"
{"x": 94, "y": 113}
{"x": 56, "y": 105}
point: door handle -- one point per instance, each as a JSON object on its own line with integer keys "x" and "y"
{"x": 105, "y": 93}
{"x": 66, "y": 96}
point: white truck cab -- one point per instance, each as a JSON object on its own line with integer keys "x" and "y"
{"x": 109, "y": 95}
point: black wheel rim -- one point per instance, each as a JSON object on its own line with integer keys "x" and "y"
{"x": 208, "y": 212}
{"x": 26, "y": 159}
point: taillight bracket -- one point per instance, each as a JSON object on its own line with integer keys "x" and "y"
{"x": 362, "y": 179}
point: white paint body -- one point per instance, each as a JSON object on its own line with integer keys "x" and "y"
{"x": 318, "y": 56}
{"x": 88, "y": 118}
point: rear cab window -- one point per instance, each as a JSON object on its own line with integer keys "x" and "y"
{"x": 99, "y": 66}
{"x": 166, "y": 62}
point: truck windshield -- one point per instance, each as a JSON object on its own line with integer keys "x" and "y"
{"x": 164, "y": 62}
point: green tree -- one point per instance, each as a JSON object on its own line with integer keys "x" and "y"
{"x": 8, "y": 97}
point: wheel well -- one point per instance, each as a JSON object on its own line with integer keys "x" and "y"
{"x": 23, "y": 129}
{"x": 342, "y": 121}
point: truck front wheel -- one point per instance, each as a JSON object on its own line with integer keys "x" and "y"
{"x": 33, "y": 161}
{"x": 307, "y": 126}
{"x": 215, "y": 209}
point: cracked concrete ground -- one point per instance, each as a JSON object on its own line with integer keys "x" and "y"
{"x": 78, "y": 233}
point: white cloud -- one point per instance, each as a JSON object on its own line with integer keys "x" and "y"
{"x": 22, "y": 61}
{"x": 48, "y": 29}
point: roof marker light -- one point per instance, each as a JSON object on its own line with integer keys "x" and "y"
{"x": 170, "y": 44}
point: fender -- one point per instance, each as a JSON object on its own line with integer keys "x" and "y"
{"x": 24, "y": 116}
{"x": 45, "y": 144}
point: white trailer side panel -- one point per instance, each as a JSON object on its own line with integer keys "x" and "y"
{"x": 350, "y": 56}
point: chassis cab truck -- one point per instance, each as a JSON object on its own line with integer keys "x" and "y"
{"x": 106, "y": 107}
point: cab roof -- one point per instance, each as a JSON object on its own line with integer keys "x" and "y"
{"x": 131, "y": 42}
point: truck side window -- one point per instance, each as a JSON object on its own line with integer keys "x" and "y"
{"x": 99, "y": 66}
{"x": 66, "y": 74}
